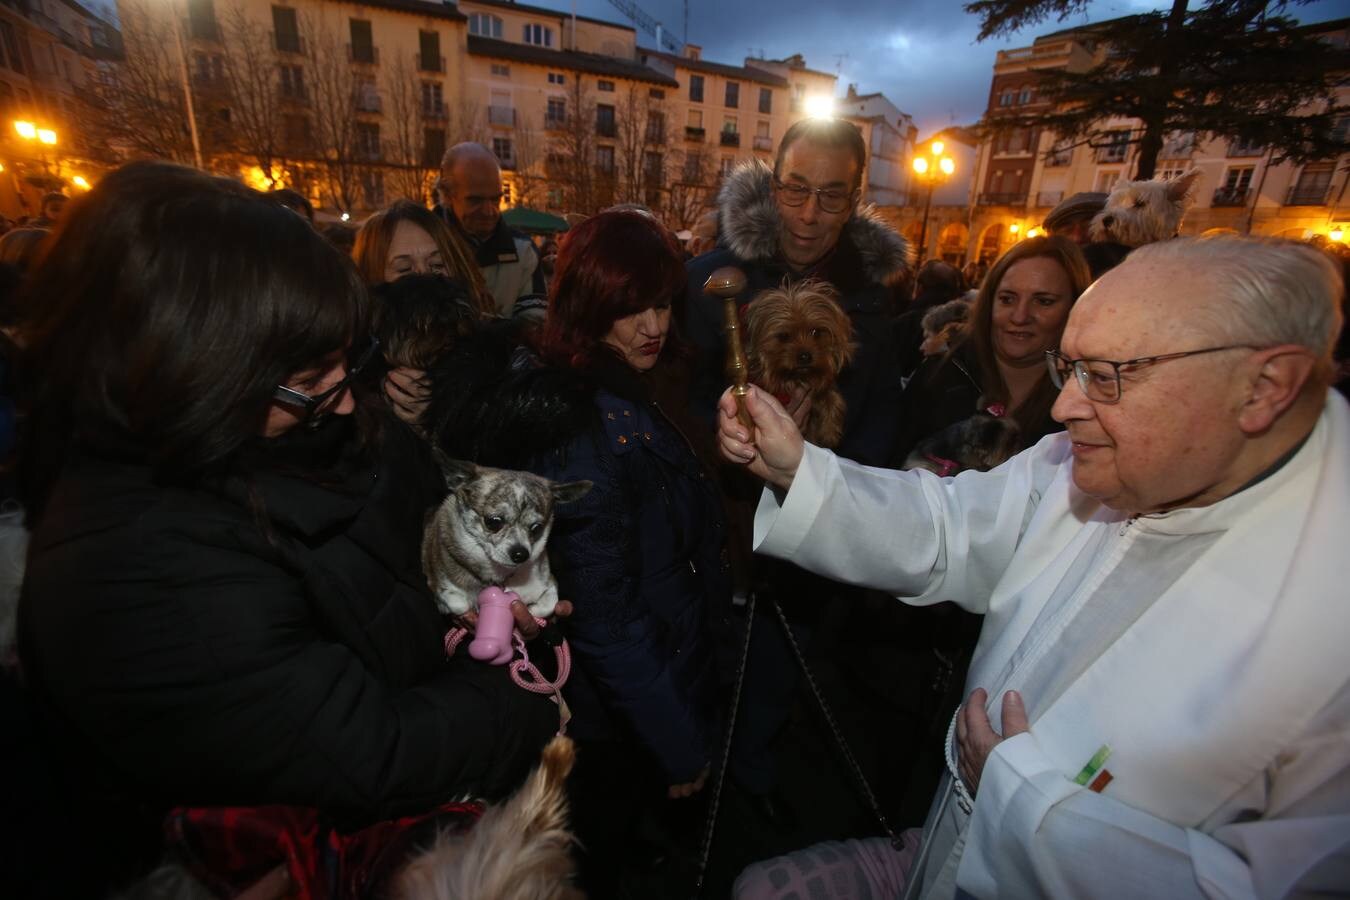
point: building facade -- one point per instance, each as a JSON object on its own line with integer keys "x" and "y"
{"x": 1020, "y": 176}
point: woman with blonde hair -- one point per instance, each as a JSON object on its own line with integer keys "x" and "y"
{"x": 407, "y": 239}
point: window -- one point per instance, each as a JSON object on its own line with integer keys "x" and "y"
{"x": 485, "y": 25}
{"x": 539, "y": 35}
{"x": 765, "y": 101}
{"x": 210, "y": 68}
{"x": 202, "y": 20}
{"x": 1106, "y": 181}
{"x": 433, "y": 99}
{"x": 693, "y": 168}
{"x": 1060, "y": 154}
{"x": 368, "y": 140}
{"x": 363, "y": 42}
{"x": 729, "y": 125}
{"x": 604, "y": 120}
{"x": 433, "y": 147}
{"x": 557, "y": 78}
{"x": 501, "y": 147}
{"x": 1178, "y": 145}
{"x": 695, "y": 118}
{"x": 1025, "y": 96}
{"x": 429, "y": 52}
{"x": 367, "y": 95}
{"x": 1340, "y": 131}
{"x": 656, "y": 127}
{"x": 606, "y": 86}
{"x": 1245, "y": 147}
{"x": 292, "y": 82}
{"x": 604, "y": 159}
{"x": 695, "y": 88}
{"x": 1238, "y": 178}
{"x": 728, "y": 163}
{"x": 372, "y": 186}
{"x": 1312, "y": 184}
{"x": 557, "y": 112}
{"x": 12, "y": 46}
{"x": 1167, "y": 174}
{"x": 285, "y": 30}
{"x": 733, "y": 95}
{"x": 296, "y": 131}
{"x": 653, "y": 169}
{"x": 1005, "y": 98}
{"x": 1113, "y": 146}
{"x": 501, "y": 71}
{"x": 761, "y": 129}
{"x": 656, "y": 94}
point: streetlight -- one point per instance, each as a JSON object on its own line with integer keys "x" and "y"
{"x": 932, "y": 169}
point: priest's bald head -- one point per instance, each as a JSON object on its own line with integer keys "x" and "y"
{"x": 1194, "y": 367}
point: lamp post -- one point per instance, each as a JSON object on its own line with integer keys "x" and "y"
{"x": 933, "y": 168}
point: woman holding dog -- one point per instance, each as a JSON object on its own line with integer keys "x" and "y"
{"x": 641, "y": 555}
{"x": 224, "y": 603}
{"x": 1019, "y": 313}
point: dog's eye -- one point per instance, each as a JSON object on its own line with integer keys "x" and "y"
{"x": 783, "y": 337}
{"x": 1140, "y": 203}
{"x": 493, "y": 523}
{"x": 535, "y": 530}
{"x": 817, "y": 332}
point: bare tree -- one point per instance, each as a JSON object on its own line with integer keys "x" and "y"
{"x": 143, "y": 111}
{"x": 343, "y": 147}
{"x": 640, "y": 148}
{"x": 409, "y": 114}
{"x": 257, "y": 96}
{"x": 573, "y": 166}
{"x": 529, "y": 152}
{"x": 693, "y": 189}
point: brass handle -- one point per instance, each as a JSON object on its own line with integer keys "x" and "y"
{"x": 727, "y": 283}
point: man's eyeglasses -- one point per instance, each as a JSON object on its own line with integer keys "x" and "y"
{"x": 1099, "y": 379}
{"x": 310, "y": 406}
{"x": 830, "y": 200}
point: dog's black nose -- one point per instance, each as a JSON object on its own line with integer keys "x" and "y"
{"x": 804, "y": 358}
{"x": 1108, "y": 220}
{"x": 519, "y": 554}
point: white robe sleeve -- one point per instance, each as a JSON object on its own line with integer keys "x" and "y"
{"x": 911, "y": 534}
{"x": 1034, "y": 833}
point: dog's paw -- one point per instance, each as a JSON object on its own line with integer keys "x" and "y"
{"x": 542, "y": 604}
{"x": 453, "y": 600}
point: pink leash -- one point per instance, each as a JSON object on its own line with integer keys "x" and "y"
{"x": 523, "y": 672}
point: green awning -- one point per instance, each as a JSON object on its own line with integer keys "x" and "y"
{"x": 534, "y": 221}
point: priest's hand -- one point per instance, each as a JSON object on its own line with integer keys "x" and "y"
{"x": 976, "y": 737}
{"x": 774, "y": 451}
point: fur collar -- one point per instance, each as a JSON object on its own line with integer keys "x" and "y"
{"x": 750, "y": 224}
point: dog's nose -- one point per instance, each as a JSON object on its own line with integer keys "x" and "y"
{"x": 1108, "y": 221}
{"x": 519, "y": 554}
{"x": 804, "y": 358}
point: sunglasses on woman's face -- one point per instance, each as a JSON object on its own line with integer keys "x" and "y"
{"x": 313, "y": 405}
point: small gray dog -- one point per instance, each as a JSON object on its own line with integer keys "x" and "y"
{"x": 491, "y": 531}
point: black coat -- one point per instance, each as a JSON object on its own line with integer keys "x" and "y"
{"x": 179, "y": 654}
{"x": 867, "y": 259}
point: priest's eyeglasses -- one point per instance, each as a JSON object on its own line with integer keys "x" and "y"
{"x": 311, "y": 405}
{"x": 830, "y": 200}
{"x": 1099, "y": 379}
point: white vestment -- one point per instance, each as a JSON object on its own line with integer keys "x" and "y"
{"x": 1208, "y": 648}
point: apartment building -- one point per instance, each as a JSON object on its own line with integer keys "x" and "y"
{"x": 1021, "y": 175}
{"x": 889, "y": 135}
{"x": 52, "y": 54}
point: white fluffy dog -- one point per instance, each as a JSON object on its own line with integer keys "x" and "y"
{"x": 1144, "y": 212}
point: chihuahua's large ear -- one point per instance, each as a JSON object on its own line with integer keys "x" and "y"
{"x": 1180, "y": 188}
{"x": 573, "y": 490}
{"x": 457, "y": 472}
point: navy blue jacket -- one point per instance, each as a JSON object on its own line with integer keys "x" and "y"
{"x": 642, "y": 559}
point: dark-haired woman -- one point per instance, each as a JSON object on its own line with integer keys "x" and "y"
{"x": 640, "y": 556}
{"x": 224, "y": 603}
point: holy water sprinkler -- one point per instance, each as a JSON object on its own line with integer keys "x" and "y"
{"x": 727, "y": 283}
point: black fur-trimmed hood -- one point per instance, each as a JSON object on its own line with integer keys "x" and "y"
{"x": 750, "y": 225}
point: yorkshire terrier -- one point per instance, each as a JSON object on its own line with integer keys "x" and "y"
{"x": 987, "y": 439}
{"x": 1144, "y": 212}
{"x": 943, "y": 326}
{"x": 799, "y": 337}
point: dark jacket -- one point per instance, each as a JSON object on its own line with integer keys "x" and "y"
{"x": 868, "y": 257}
{"x": 180, "y": 655}
{"x": 640, "y": 556}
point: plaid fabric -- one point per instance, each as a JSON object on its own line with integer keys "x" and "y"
{"x": 230, "y": 848}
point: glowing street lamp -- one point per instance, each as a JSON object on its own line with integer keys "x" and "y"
{"x": 1337, "y": 234}
{"x": 26, "y": 130}
{"x": 80, "y": 182}
{"x": 47, "y": 136}
{"x": 932, "y": 169}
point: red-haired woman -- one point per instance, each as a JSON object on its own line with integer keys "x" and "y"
{"x": 640, "y": 556}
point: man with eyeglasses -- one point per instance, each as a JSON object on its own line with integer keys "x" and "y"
{"x": 470, "y": 194}
{"x": 1159, "y": 703}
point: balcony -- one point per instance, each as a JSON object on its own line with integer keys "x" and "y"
{"x": 288, "y": 42}
{"x": 763, "y": 143}
{"x": 1049, "y": 198}
{"x": 696, "y": 135}
{"x": 1307, "y": 195}
{"x": 428, "y": 63}
{"x": 731, "y": 139}
{"x": 363, "y": 54}
{"x": 555, "y": 123}
{"x": 1002, "y": 200}
{"x": 1230, "y": 196}
{"x": 502, "y": 115}
{"x": 605, "y": 128}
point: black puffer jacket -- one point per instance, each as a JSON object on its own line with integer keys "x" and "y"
{"x": 180, "y": 655}
{"x": 868, "y": 258}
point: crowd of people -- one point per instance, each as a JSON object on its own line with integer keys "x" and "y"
{"x": 1059, "y": 611}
